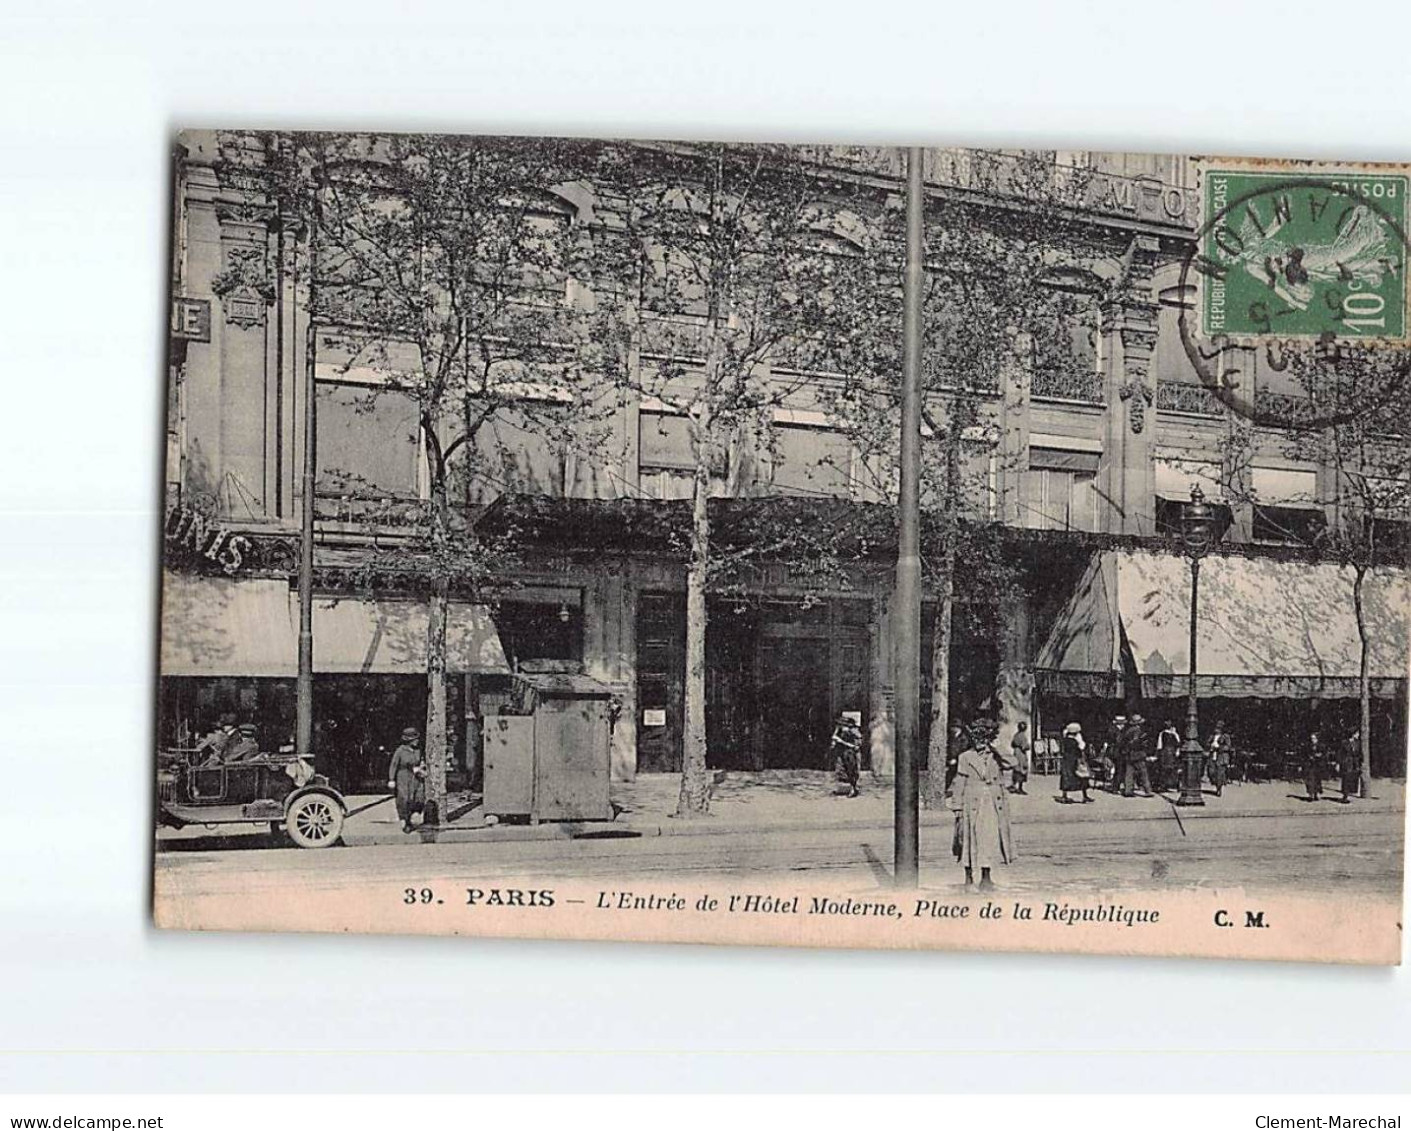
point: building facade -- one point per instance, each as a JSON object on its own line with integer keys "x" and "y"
{"x": 1082, "y": 449}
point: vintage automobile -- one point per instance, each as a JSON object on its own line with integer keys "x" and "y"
{"x": 275, "y": 789}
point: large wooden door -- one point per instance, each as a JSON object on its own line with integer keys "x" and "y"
{"x": 661, "y": 680}
{"x": 794, "y": 702}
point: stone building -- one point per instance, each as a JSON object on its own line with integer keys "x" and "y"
{"x": 1081, "y": 454}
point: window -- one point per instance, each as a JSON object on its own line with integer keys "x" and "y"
{"x": 1285, "y": 509}
{"x": 1287, "y": 526}
{"x": 665, "y": 466}
{"x": 664, "y": 440}
{"x": 542, "y": 629}
{"x": 811, "y": 460}
{"x": 977, "y": 486}
{"x": 524, "y": 448}
{"x": 1060, "y": 489}
{"x": 368, "y": 442}
{"x": 1175, "y": 476}
{"x": 1065, "y": 331}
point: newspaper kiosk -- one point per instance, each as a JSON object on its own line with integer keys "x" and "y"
{"x": 546, "y": 757}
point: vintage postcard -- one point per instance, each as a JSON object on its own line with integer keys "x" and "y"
{"x": 829, "y": 546}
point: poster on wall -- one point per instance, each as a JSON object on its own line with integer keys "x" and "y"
{"x": 828, "y": 546}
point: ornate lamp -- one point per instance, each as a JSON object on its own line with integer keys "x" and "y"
{"x": 1198, "y": 522}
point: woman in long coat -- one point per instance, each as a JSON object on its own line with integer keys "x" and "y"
{"x": 406, "y": 775}
{"x": 1350, "y": 765}
{"x": 1314, "y": 766}
{"x": 982, "y": 812}
{"x": 1072, "y": 756}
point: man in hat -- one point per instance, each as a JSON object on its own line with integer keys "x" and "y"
{"x": 1112, "y": 753}
{"x": 1133, "y": 746}
{"x": 246, "y": 746}
{"x": 210, "y": 751}
{"x": 1019, "y": 746}
{"x": 1218, "y": 759}
{"x": 407, "y": 776}
{"x": 847, "y": 752}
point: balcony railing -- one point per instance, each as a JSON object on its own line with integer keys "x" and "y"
{"x": 1181, "y": 396}
{"x": 1146, "y": 199}
{"x": 1067, "y": 385}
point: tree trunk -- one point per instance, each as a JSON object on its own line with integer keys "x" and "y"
{"x": 694, "y": 799}
{"x": 938, "y": 747}
{"x": 1364, "y": 682}
{"x": 437, "y": 754}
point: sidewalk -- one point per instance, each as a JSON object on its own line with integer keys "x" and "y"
{"x": 783, "y": 800}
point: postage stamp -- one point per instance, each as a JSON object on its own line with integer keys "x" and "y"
{"x": 1303, "y": 254}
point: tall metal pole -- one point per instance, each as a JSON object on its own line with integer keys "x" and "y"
{"x": 304, "y": 737}
{"x": 1192, "y": 753}
{"x": 907, "y": 608}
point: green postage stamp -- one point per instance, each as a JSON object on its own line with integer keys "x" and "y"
{"x": 1297, "y": 253}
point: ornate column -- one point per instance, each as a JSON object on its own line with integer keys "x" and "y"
{"x": 1013, "y": 453}
{"x": 243, "y": 291}
{"x": 1126, "y": 476}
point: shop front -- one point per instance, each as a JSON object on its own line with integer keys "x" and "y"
{"x": 1278, "y": 653}
{"x": 231, "y": 647}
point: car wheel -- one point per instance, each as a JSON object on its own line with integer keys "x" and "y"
{"x": 314, "y": 821}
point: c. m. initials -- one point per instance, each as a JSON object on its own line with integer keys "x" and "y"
{"x": 1253, "y": 919}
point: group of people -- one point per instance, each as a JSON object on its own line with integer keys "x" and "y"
{"x": 227, "y": 744}
{"x": 1321, "y": 757}
{"x": 974, "y": 789}
{"x": 1124, "y": 761}
{"x": 1128, "y": 759}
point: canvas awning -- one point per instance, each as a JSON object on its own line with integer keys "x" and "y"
{"x": 389, "y": 637}
{"x": 1267, "y": 629}
{"x": 214, "y": 626}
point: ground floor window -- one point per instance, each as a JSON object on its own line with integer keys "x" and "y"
{"x": 358, "y": 719}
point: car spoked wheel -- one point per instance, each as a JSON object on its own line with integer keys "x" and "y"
{"x": 314, "y": 821}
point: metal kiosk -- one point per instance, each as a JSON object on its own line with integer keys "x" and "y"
{"x": 546, "y": 758}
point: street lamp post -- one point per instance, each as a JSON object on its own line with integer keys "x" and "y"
{"x": 1197, "y": 530}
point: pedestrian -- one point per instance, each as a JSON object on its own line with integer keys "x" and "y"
{"x": 210, "y": 751}
{"x": 407, "y": 775}
{"x": 1351, "y": 766}
{"x": 1073, "y": 771}
{"x": 980, "y": 806}
{"x": 245, "y": 747}
{"x": 1111, "y": 754}
{"x": 1020, "y": 745}
{"x": 1314, "y": 766}
{"x": 1221, "y": 746}
{"x": 1133, "y": 745}
{"x": 847, "y": 752}
{"x": 954, "y": 745}
{"x": 1168, "y": 750}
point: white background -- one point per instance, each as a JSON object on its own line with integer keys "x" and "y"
{"x": 92, "y": 997}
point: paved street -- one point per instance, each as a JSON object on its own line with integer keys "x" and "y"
{"x": 1280, "y": 844}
